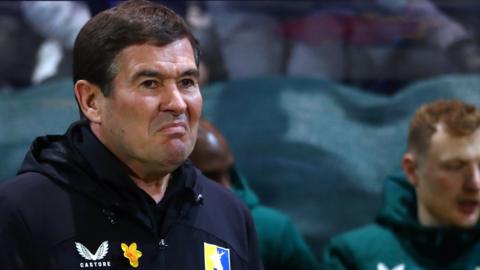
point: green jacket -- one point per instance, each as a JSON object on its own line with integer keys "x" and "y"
{"x": 396, "y": 241}
{"x": 282, "y": 247}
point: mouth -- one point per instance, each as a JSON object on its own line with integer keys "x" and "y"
{"x": 468, "y": 206}
{"x": 174, "y": 128}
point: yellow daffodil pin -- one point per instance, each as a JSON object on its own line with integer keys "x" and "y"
{"x": 131, "y": 253}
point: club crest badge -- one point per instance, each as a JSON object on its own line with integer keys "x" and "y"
{"x": 93, "y": 259}
{"x": 216, "y": 257}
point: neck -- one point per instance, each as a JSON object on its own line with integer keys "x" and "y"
{"x": 153, "y": 187}
{"x": 153, "y": 179}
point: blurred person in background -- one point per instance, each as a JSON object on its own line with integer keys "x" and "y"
{"x": 376, "y": 45}
{"x": 19, "y": 44}
{"x": 430, "y": 219}
{"x": 37, "y": 39}
{"x": 282, "y": 247}
{"x": 59, "y": 22}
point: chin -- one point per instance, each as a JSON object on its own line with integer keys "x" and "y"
{"x": 176, "y": 157}
{"x": 467, "y": 222}
{"x": 174, "y": 153}
{"x": 465, "y": 225}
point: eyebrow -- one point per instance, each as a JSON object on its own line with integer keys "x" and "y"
{"x": 193, "y": 72}
{"x": 153, "y": 73}
{"x": 454, "y": 160}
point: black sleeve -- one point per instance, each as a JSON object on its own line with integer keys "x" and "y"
{"x": 14, "y": 238}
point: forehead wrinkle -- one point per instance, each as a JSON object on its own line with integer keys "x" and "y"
{"x": 169, "y": 60}
{"x": 146, "y": 73}
{"x": 162, "y": 70}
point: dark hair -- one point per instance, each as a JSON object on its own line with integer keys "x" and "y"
{"x": 109, "y": 32}
{"x": 458, "y": 118}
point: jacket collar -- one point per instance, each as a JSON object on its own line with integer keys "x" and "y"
{"x": 105, "y": 166}
{"x": 399, "y": 214}
{"x": 109, "y": 169}
{"x": 81, "y": 163}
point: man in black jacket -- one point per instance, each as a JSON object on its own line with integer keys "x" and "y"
{"x": 116, "y": 191}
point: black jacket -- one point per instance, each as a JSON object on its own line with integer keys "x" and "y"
{"x": 72, "y": 205}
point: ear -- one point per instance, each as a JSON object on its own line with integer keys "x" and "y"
{"x": 410, "y": 168}
{"x": 90, "y": 99}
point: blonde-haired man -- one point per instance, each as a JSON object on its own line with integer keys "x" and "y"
{"x": 429, "y": 221}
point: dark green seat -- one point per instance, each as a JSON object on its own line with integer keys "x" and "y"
{"x": 30, "y": 113}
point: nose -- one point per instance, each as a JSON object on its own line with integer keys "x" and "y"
{"x": 173, "y": 101}
{"x": 473, "y": 181}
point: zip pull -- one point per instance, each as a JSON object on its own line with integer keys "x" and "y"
{"x": 162, "y": 244}
{"x": 198, "y": 199}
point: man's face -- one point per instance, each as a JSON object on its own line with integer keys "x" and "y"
{"x": 151, "y": 117}
{"x": 448, "y": 184}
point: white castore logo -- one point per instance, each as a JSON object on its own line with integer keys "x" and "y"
{"x": 85, "y": 253}
{"x": 98, "y": 255}
{"x": 382, "y": 266}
